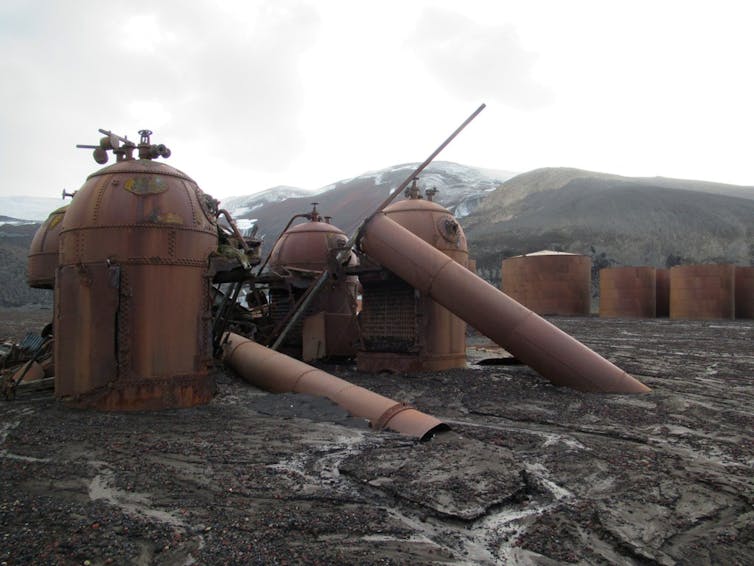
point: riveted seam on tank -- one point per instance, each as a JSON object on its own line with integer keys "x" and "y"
{"x": 191, "y": 195}
{"x": 186, "y": 262}
{"x": 205, "y": 328}
{"x": 124, "y": 321}
{"x": 171, "y": 243}
{"x": 101, "y": 187}
{"x": 141, "y": 226}
{"x": 80, "y": 247}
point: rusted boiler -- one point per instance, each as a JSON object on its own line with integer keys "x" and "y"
{"x": 405, "y": 329}
{"x": 550, "y": 283}
{"x": 43, "y": 252}
{"x": 628, "y": 292}
{"x": 300, "y": 255}
{"x": 704, "y": 291}
{"x": 133, "y": 314}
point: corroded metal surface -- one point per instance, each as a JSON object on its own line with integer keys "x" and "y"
{"x": 408, "y": 331}
{"x": 278, "y": 373}
{"x": 704, "y": 291}
{"x": 744, "y": 292}
{"x": 662, "y": 292}
{"x": 628, "y": 292}
{"x": 133, "y": 316}
{"x": 306, "y": 247}
{"x": 329, "y": 335}
{"x": 43, "y": 252}
{"x": 301, "y": 254}
{"x": 558, "y": 357}
{"x": 549, "y": 283}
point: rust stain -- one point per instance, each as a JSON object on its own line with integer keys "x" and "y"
{"x": 145, "y": 185}
{"x": 168, "y": 218}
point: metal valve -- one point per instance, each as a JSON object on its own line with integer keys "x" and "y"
{"x": 123, "y": 148}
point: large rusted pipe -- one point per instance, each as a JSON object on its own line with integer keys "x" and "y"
{"x": 539, "y": 344}
{"x": 278, "y": 373}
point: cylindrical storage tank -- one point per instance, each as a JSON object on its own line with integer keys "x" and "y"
{"x": 43, "y": 252}
{"x": 744, "y": 292}
{"x": 428, "y": 337}
{"x": 133, "y": 320}
{"x": 662, "y": 292}
{"x": 299, "y": 256}
{"x": 699, "y": 292}
{"x": 627, "y": 292}
{"x": 550, "y": 283}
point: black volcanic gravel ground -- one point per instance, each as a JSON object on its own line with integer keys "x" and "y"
{"x": 529, "y": 474}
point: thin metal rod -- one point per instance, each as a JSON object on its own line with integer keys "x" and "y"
{"x": 429, "y": 160}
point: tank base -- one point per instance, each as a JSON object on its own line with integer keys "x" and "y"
{"x": 148, "y": 394}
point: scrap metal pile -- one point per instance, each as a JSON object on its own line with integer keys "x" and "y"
{"x": 28, "y": 361}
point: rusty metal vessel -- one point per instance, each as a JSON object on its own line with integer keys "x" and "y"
{"x": 703, "y": 291}
{"x": 406, "y": 330}
{"x": 43, "y": 252}
{"x": 550, "y": 283}
{"x": 628, "y": 292}
{"x": 301, "y": 254}
{"x": 132, "y": 324}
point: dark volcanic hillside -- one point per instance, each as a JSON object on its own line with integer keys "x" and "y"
{"x": 14, "y": 247}
{"x": 616, "y": 220}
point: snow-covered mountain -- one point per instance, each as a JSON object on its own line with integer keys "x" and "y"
{"x": 461, "y": 187}
{"x": 244, "y": 206}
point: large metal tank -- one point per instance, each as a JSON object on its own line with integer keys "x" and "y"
{"x": 403, "y": 329}
{"x": 133, "y": 324}
{"x": 701, "y": 292}
{"x": 550, "y": 283}
{"x": 43, "y": 252}
{"x": 628, "y": 292}
{"x": 301, "y": 254}
{"x": 744, "y": 292}
{"x": 662, "y": 292}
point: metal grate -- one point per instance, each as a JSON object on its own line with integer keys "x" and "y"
{"x": 388, "y": 317}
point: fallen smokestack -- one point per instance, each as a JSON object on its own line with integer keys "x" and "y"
{"x": 540, "y": 345}
{"x": 278, "y": 373}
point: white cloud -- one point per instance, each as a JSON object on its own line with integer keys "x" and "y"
{"x": 476, "y": 60}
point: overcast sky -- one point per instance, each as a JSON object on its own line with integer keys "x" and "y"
{"x": 254, "y": 94}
